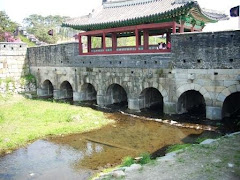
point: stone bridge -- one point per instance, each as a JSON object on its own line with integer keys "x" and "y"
{"x": 203, "y": 69}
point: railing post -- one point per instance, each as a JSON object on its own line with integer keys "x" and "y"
{"x": 80, "y": 44}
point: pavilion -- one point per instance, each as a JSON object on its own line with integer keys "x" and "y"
{"x": 140, "y": 20}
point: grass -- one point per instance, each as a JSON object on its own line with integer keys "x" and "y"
{"x": 177, "y": 147}
{"x": 24, "y": 120}
{"x": 146, "y": 158}
{"x": 27, "y": 41}
{"x": 127, "y": 161}
{"x": 201, "y": 139}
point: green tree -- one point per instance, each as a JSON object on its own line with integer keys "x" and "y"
{"x": 40, "y": 25}
{"x": 6, "y": 25}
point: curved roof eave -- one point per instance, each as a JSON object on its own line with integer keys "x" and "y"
{"x": 191, "y": 7}
{"x": 163, "y": 16}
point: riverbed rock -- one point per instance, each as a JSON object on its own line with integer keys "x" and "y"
{"x": 118, "y": 174}
{"x": 208, "y": 141}
{"x": 133, "y": 167}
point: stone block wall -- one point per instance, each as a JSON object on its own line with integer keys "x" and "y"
{"x": 53, "y": 55}
{"x": 14, "y": 66}
{"x": 12, "y": 60}
{"x": 210, "y": 50}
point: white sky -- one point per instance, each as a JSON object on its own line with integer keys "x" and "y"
{"x": 17, "y": 10}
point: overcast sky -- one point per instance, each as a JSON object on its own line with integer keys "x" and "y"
{"x": 17, "y": 10}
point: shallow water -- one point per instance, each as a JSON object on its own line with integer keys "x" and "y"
{"x": 79, "y": 156}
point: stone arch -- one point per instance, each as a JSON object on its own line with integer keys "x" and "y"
{"x": 151, "y": 98}
{"x": 191, "y": 102}
{"x": 88, "y": 92}
{"x": 195, "y": 87}
{"x": 226, "y": 92}
{"x": 63, "y": 79}
{"x": 47, "y": 87}
{"x": 89, "y": 80}
{"x": 231, "y": 105}
{"x": 50, "y": 80}
{"x": 66, "y": 90}
{"x": 116, "y": 94}
{"x": 159, "y": 88}
{"x": 104, "y": 88}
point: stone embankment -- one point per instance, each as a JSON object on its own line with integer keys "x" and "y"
{"x": 212, "y": 159}
{"x": 17, "y": 87}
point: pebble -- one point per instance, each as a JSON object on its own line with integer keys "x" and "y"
{"x": 230, "y": 165}
{"x": 118, "y": 174}
{"x": 217, "y": 161}
{"x": 133, "y": 167}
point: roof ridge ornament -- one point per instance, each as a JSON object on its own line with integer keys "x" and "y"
{"x": 183, "y": 1}
{"x": 120, "y": 3}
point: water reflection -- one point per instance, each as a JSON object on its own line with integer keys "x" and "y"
{"x": 43, "y": 160}
{"x": 78, "y": 156}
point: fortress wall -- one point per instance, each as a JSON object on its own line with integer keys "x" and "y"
{"x": 13, "y": 67}
{"x": 12, "y": 60}
{"x": 210, "y": 50}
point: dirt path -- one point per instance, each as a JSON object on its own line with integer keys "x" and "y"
{"x": 219, "y": 160}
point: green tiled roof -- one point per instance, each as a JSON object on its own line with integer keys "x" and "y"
{"x": 134, "y": 12}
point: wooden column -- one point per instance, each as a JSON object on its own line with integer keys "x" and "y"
{"x": 174, "y": 27}
{"x": 182, "y": 27}
{"x": 80, "y": 44}
{"x": 137, "y": 39}
{"x": 192, "y": 29}
{"x": 145, "y": 39}
{"x": 114, "y": 41}
{"x": 104, "y": 42}
{"x": 168, "y": 37}
{"x": 89, "y": 43}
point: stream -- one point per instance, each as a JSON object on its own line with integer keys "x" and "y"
{"x": 80, "y": 156}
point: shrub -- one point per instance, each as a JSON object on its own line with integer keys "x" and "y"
{"x": 30, "y": 78}
{"x": 146, "y": 158}
{"x": 127, "y": 161}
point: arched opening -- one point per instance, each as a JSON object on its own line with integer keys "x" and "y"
{"x": 231, "y": 106}
{"x": 66, "y": 90}
{"x": 47, "y": 87}
{"x": 117, "y": 95}
{"x": 231, "y": 112}
{"x": 191, "y": 102}
{"x": 151, "y": 100}
{"x": 88, "y": 93}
